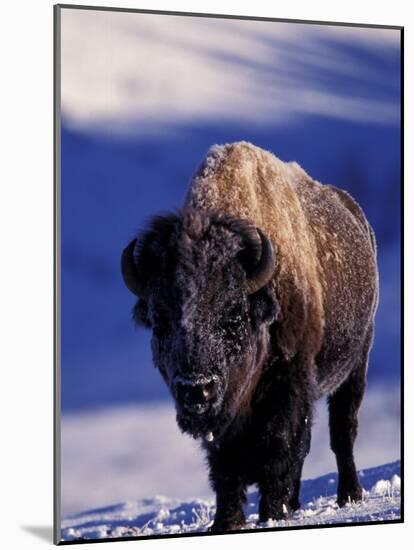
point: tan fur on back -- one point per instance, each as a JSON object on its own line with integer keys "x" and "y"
{"x": 248, "y": 182}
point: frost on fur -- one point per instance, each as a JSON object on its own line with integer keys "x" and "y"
{"x": 261, "y": 294}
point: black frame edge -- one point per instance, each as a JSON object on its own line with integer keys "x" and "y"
{"x": 56, "y": 274}
{"x": 230, "y": 533}
{"x": 57, "y": 8}
{"x": 402, "y": 240}
{"x": 227, "y": 16}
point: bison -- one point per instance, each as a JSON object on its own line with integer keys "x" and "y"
{"x": 260, "y": 293}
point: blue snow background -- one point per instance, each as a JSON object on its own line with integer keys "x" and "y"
{"x": 112, "y": 183}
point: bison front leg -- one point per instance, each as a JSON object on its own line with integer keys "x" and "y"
{"x": 296, "y": 472}
{"x": 230, "y": 490}
{"x": 229, "y": 512}
{"x": 279, "y": 483}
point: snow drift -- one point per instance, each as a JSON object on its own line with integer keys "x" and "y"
{"x": 164, "y": 516}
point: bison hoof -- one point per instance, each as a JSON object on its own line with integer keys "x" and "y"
{"x": 276, "y": 511}
{"x": 222, "y": 525}
{"x": 349, "y": 495}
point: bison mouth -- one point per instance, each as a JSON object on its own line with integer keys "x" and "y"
{"x": 202, "y": 424}
{"x": 198, "y": 403}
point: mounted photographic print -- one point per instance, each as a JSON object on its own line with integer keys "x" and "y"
{"x": 228, "y": 286}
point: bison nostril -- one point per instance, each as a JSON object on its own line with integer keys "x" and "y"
{"x": 194, "y": 395}
{"x": 209, "y": 390}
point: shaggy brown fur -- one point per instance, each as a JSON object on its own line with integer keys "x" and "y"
{"x": 245, "y": 366}
{"x": 326, "y": 276}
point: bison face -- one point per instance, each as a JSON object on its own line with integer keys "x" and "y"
{"x": 203, "y": 283}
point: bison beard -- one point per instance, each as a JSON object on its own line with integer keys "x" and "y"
{"x": 261, "y": 294}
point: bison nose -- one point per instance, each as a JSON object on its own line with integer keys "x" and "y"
{"x": 195, "y": 395}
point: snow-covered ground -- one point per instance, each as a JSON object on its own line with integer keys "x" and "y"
{"x": 136, "y": 452}
{"x": 162, "y": 515}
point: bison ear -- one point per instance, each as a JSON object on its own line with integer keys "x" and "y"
{"x": 264, "y": 307}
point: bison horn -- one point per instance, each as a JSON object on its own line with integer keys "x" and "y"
{"x": 129, "y": 270}
{"x": 265, "y": 267}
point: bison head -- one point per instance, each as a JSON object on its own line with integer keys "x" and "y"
{"x": 203, "y": 287}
